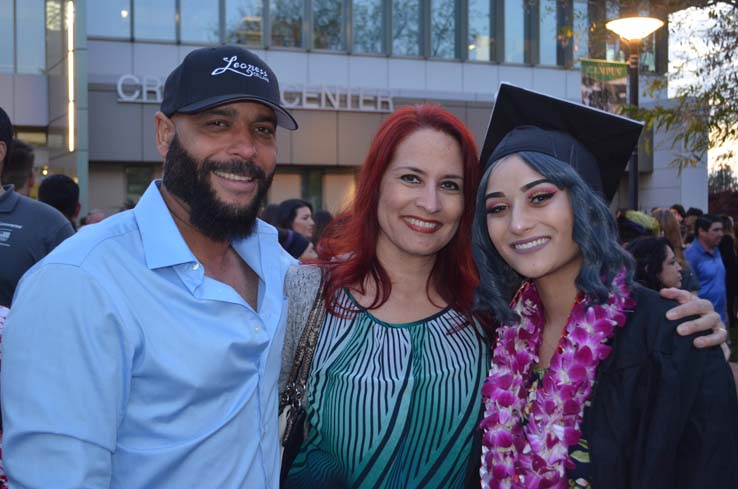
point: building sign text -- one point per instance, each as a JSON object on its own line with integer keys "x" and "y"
{"x": 149, "y": 90}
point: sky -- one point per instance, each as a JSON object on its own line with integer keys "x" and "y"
{"x": 686, "y": 44}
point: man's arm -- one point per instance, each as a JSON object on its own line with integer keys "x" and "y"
{"x": 691, "y": 305}
{"x": 65, "y": 375}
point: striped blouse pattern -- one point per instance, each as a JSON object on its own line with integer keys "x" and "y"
{"x": 392, "y": 405}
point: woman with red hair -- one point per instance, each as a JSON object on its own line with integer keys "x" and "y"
{"x": 393, "y": 391}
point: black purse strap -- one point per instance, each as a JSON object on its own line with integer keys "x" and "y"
{"x": 297, "y": 382}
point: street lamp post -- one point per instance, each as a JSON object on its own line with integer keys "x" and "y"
{"x": 633, "y": 29}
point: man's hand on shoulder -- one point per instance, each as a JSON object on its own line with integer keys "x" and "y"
{"x": 691, "y": 305}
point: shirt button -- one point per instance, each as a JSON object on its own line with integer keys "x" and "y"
{"x": 196, "y": 266}
{"x": 257, "y": 329}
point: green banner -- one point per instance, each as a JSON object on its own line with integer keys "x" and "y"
{"x": 604, "y": 84}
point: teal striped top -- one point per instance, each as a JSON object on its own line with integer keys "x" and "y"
{"x": 392, "y": 405}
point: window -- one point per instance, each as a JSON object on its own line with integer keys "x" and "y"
{"x": 286, "y": 184}
{"x": 154, "y": 19}
{"x": 647, "y": 59}
{"x": 328, "y": 32}
{"x": 339, "y": 190}
{"x": 138, "y": 179}
{"x": 443, "y": 28}
{"x": 480, "y": 31}
{"x": 244, "y": 22}
{"x": 581, "y": 31}
{"x": 406, "y": 27}
{"x": 31, "y": 36}
{"x": 286, "y": 17}
{"x": 198, "y": 21}
{"x": 56, "y": 37}
{"x": 368, "y": 26}
{"x": 7, "y": 52}
{"x": 612, "y": 48}
{"x": 111, "y": 18}
{"x": 514, "y": 31}
{"x": 548, "y": 23}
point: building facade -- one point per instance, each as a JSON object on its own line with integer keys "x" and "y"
{"x": 82, "y": 79}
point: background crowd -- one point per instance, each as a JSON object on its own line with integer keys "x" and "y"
{"x": 301, "y": 227}
{"x": 673, "y": 247}
{"x": 702, "y": 246}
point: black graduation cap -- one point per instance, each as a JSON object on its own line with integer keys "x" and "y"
{"x": 596, "y": 143}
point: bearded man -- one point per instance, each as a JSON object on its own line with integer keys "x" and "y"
{"x": 144, "y": 352}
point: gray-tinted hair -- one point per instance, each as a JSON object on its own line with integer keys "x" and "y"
{"x": 595, "y": 232}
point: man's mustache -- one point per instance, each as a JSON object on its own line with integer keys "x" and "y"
{"x": 242, "y": 168}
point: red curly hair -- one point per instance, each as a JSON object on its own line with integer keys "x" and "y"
{"x": 352, "y": 236}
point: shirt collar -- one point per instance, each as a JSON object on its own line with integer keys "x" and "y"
{"x": 258, "y": 247}
{"x": 163, "y": 244}
{"x": 261, "y": 251}
{"x": 8, "y": 199}
{"x": 702, "y": 249}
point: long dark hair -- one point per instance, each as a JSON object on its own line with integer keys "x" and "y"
{"x": 649, "y": 255}
{"x": 287, "y": 212}
{"x": 595, "y": 232}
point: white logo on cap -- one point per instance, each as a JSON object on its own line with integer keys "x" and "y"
{"x": 243, "y": 69}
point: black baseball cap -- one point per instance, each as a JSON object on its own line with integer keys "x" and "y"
{"x": 595, "y": 143}
{"x": 6, "y": 133}
{"x": 213, "y": 76}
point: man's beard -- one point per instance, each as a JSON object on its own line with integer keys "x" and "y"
{"x": 208, "y": 214}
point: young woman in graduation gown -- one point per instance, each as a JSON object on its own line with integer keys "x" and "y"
{"x": 590, "y": 385}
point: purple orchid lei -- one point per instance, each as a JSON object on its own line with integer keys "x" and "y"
{"x": 536, "y": 456}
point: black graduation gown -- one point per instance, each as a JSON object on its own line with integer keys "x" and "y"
{"x": 662, "y": 413}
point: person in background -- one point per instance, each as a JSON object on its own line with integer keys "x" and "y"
{"x": 29, "y": 229}
{"x": 296, "y": 245}
{"x": 635, "y": 224}
{"x": 322, "y": 219}
{"x": 92, "y": 217}
{"x": 727, "y": 249}
{"x": 61, "y": 193}
{"x": 656, "y": 266}
{"x": 269, "y": 214}
{"x": 689, "y": 219}
{"x": 670, "y": 229}
{"x": 18, "y": 171}
{"x": 677, "y": 210}
{"x": 703, "y": 255}
{"x": 296, "y": 215}
{"x": 293, "y": 242}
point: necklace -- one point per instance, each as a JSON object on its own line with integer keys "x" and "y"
{"x": 536, "y": 456}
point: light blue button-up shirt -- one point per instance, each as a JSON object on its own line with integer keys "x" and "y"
{"x": 125, "y": 366}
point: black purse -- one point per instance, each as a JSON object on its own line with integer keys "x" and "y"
{"x": 292, "y": 412}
